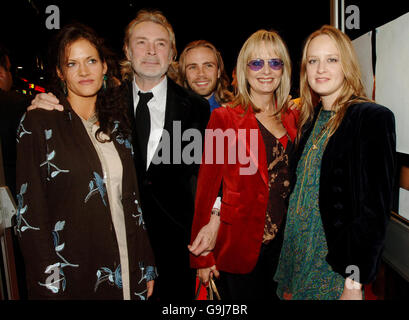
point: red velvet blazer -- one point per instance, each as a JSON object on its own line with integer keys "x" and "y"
{"x": 244, "y": 202}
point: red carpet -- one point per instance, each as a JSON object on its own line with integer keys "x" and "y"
{"x": 369, "y": 295}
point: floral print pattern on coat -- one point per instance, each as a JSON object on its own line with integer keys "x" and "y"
{"x": 64, "y": 221}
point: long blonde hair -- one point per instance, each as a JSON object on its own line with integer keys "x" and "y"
{"x": 352, "y": 90}
{"x": 142, "y": 16}
{"x": 272, "y": 41}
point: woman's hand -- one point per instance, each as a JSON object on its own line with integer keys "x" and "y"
{"x": 352, "y": 290}
{"x": 149, "y": 285}
{"x": 204, "y": 274}
{"x": 293, "y": 103}
{"x": 206, "y": 238}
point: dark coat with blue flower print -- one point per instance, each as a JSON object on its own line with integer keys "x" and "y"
{"x": 64, "y": 221}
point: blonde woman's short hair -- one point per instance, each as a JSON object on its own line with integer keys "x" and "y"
{"x": 274, "y": 43}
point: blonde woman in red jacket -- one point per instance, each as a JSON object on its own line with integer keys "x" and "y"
{"x": 247, "y": 149}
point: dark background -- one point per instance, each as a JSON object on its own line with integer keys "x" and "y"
{"x": 226, "y": 24}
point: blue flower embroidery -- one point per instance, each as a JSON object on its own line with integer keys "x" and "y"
{"x": 59, "y": 247}
{"x": 126, "y": 142}
{"x": 53, "y": 283}
{"x": 105, "y": 274}
{"x": 139, "y": 215}
{"x": 142, "y": 294}
{"x": 121, "y": 140}
{"x": 96, "y": 185}
{"x": 21, "y": 209}
{"x": 50, "y": 156}
{"x": 147, "y": 273}
{"x": 116, "y": 124}
{"x": 21, "y": 131}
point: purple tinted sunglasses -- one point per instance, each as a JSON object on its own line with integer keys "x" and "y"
{"x": 258, "y": 64}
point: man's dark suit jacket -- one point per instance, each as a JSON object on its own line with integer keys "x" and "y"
{"x": 356, "y": 182}
{"x": 12, "y": 108}
{"x": 168, "y": 193}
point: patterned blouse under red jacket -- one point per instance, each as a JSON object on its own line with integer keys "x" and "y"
{"x": 245, "y": 188}
{"x": 64, "y": 221}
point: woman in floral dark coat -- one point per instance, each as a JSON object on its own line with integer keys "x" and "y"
{"x": 79, "y": 221}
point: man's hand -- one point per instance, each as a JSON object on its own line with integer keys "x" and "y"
{"x": 46, "y": 101}
{"x": 206, "y": 238}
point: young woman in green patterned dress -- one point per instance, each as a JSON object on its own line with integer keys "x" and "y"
{"x": 342, "y": 197}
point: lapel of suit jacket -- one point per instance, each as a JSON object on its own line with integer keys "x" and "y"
{"x": 257, "y": 155}
{"x": 175, "y": 111}
{"x": 175, "y": 107}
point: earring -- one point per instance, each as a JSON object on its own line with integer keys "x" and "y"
{"x": 64, "y": 87}
{"x": 104, "y": 83}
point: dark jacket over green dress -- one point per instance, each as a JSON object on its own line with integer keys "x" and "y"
{"x": 64, "y": 220}
{"x": 340, "y": 206}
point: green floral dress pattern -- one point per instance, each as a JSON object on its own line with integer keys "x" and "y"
{"x": 302, "y": 272}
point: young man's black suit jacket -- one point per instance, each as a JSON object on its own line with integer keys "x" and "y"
{"x": 168, "y": 190}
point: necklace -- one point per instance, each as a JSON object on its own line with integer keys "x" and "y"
{"x": 308, "y": 157}
{"x": 321, "y": 134}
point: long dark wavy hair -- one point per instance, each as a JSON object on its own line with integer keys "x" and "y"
{"x": 111, "y": 105}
